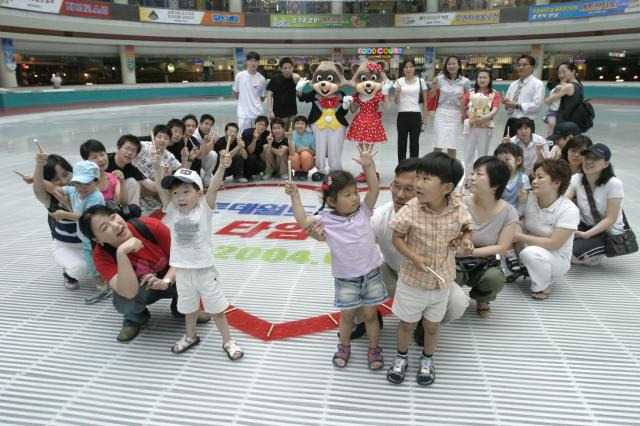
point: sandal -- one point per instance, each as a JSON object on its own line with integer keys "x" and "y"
{"x": 184, "y": 344}
{"x": 375, "y": 355}
{"x": 233, "y": 351}
{"x": 343, "y": 353}
{"x": 484, "y": 313}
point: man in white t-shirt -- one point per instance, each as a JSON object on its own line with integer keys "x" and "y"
{"x": 249, "y": 88}
{"x": 402, "y": 190}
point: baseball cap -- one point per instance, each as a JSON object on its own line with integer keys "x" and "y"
{"x": 563, "y": 129}
{"x": 85, "y": 171}
{"x": 600, "y": 150}
{"x": 182, "y": 175}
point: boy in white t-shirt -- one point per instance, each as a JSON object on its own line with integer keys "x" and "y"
{"x": 250, "y": 88}
{"x": 189, "y": 217}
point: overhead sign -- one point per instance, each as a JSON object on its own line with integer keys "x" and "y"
{"x": 83, "y": 8}
{"x": 191, "y": 17}
{"x": 583, "y": 9}
{"x": 319, "y": 21}
{"x": 471, "y": 17}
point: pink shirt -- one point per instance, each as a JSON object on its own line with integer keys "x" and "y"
{"x": 110, "y": 193}
{"x": 351, "y": 241}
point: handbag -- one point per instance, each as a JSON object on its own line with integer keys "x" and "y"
{"x": 471, "y": 264}
{"x": 420, "y": 94}
{"x": 618, "y": 244}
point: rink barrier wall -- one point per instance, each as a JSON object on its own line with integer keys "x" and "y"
{"x": 18, "y": 100}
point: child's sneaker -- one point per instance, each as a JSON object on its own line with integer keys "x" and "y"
{"x": 69, "y": 282}
{"x": 102, "y": 292}
{"x": 396, "y": 372}
{"x": 426, "y": 371}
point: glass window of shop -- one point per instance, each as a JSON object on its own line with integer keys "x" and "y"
{"x": 175, "y": 70}
{"x": 269, "y": 67}
{"x": 37, "y": 70}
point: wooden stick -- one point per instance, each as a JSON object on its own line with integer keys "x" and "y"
{"x": 226, "y": 151}
{"x": 384, "y": 305}
{"x": 153, "y": 141}
{"x": 332, "y": 319}
{"x": 290, "y": 172}
{"x": 19, "y": 174}
{"x": 270, "y": 330}
{"x": 228, "y": 311}
{"x": 434, "y": 273}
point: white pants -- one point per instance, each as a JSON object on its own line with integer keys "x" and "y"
{"x": 245, "y": 123}
{"x": 209, "y": 162}
{"x": 543, "y": 266}
{"x": 476, "y": 144}
{"x": 329, "y": 145}
{"x": 70, "y": 258}
{"x": 133, "y": 191}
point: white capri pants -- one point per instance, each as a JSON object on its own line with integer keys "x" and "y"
{"x": 476, "y": 144}
{"x": 70, "y": 258}
{"x": 447, "y": 128}
{"x": 543, "y": 266}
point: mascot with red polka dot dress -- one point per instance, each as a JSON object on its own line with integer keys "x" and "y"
{"x": 372, "y": 89}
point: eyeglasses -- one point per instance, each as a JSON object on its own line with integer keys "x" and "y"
{"x": 396, "y": 187}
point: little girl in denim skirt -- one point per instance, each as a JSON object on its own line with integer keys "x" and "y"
{"x": 355, "y": 259}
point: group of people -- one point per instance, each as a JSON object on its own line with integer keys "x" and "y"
{"x": 525, "y": 211}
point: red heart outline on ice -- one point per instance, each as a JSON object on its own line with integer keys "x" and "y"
{"x": 265, "y": 330}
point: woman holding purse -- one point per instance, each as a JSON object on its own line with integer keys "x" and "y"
{"x": 410, "y": 94}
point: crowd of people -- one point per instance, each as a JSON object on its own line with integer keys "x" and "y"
{"x": 533, "y": 208}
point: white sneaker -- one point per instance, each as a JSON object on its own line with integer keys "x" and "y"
{"x": 266, "y": 176}
{"x": 241, "y": 180}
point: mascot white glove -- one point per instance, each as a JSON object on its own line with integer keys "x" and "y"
{"x": 301, "y": 83}
{"x": 386, "y": 86}
{"x": 346, "y": 101}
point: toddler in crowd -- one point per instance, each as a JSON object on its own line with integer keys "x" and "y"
{"x": 302, "y": 149}
{"x": 515, "y": 192}
{"x": 554, "y": 86}
{"x": 83, "y": 194}
{"x": 355, "y": 259}
{"x": 426, "y": 231}
{"x": 189, "y": 218}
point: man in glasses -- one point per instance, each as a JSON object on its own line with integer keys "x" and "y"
{"x": 402, "y": 190}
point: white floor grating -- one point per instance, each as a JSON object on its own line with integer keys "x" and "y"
{"x": 571, "y": 360}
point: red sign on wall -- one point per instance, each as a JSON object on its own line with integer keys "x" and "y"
{"x": 86, "y": 8}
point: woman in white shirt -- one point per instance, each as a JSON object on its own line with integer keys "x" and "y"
{"x": 447, "y": 123}
{"x": 607, "y": 193}
{"x": 410, "y": 93}
{"x": 550, "y": 220}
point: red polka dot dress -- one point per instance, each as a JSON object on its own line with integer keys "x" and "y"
{"x": 366, "y": 126}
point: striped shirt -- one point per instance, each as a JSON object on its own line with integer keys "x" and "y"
{"x": 429, "y": 235}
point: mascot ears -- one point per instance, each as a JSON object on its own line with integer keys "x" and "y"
{"x": 354, "y": 68}
{"x": 313, "y": 68}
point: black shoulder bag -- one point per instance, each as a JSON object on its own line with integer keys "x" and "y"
{"x": 614, "y": 245}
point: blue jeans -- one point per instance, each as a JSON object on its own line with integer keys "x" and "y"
{"x": 364, "y": 290}
{"x": 135, "y": 310}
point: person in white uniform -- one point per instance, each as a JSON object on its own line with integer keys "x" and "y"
{"x": 250, "y": 89}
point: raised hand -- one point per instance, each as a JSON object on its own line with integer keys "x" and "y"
{"x": 225, "y": 161}
{"x": 156, "y": 156}
{"x": 41, "y": 156}
{"x": 25, "y": 178}
{"x": 290, "y": 189}
{"x": 346, "y": 101}
{"x": 366, "y": 155}
{"x": 301, "y": 83}
{"x": 270, "y": 139}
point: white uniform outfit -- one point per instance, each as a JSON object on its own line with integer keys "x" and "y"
{"x": 251, "y": 88}
{"x": 447, "y": 123}
{"x": 192, "y": 256}
{"x": 544, "y": 266}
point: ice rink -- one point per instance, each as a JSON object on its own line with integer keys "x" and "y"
{"x": 571, "y": 360}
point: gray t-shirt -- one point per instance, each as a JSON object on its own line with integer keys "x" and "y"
{"x": 487, "y": 233}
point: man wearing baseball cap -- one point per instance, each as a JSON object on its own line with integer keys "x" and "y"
{"x": 82, "y": 195}
{"x": 562, "y": 134}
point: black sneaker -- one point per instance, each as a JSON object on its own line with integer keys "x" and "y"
{"x": 395, "y": 373}
{"x": 317, "y": 177}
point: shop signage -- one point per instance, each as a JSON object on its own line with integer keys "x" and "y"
{"x": 84, "y": 8}
{"x": 131, "y": 57}
{"x": 319, "y": 21}
{"x": 582, "y": 9}
{"x": 380, "y": 50}
{"x": 9, "y": 54}
{"x": 471, "y": 17}
{"x": 191, "y": 17}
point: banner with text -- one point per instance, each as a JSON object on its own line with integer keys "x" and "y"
{"x": 583, "y": 9}
{"x": 319, "y": 21}
{"x": 83, "y": 8}
{"x": 191, "y": 17}
{"x": 471, "y": 17}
